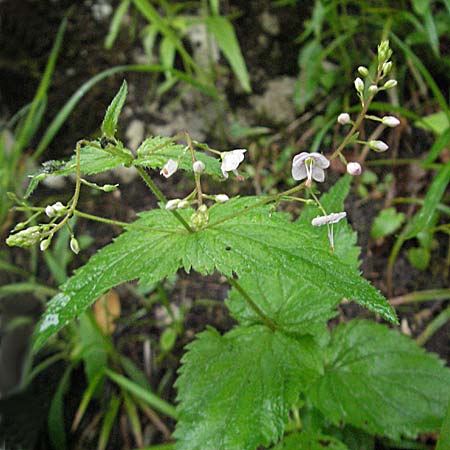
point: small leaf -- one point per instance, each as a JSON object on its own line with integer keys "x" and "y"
{"x": 419, "y": 257}
{"x": 116, "y": 22}
{"x": 380, "y": 381}
{"x": 444, "y": 438}
{"x": 155, "y": 151}
{"x": 235, "y": 391}
{"x": 438, "y": 123}
{"x": 387, "y": 222}
{"x": 112, "y": 113}
{"x": 310, "y": 441}
{"x": 223, "y": 31}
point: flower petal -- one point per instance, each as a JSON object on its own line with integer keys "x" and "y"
{"x": 298, "y": 171}
{"x": 320, "y": 160}
{"x": 301, "y": 157}
{"x": 318, "y": 174}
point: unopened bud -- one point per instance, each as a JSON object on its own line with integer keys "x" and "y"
{"x": 384, "y": 52}
{"x": 343, "y": 118}
{"x": 55, "y": 210}
{"x": 390, "y": 121}
{"x": 387, "y": 66}
{"x": 74, "y": 246}
{"x": 354, "y": 168}
{"x": 359, "y": 85}
{"x": 45, "y": 244}
{"x": 378, "y": 146}
{"x": 25, "y": 238}
{"x": 390, "y": 84}
{"x": 109, "y": 187}
{"x": 221, "y": 198}
{"x": 183, "y": 204}
{"x": 200, "y": 218}
{"x": 363, "y": 71}
{"x": 373, "y": 89}
{"x": 198, "y": 166}
{"x": 173, "y": 204}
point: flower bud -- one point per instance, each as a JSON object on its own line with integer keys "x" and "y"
{"x": 363, "y": 71}
{"x": 390, "y": 121}
{"x": 359, "y": 85}
{"x": 378, "y": 146}
{"x": 390, "y": 84}
{"x": 45, "y": 244}
{"x": 373, "y": 89}
{"x": 55, "y": 210}
{"x": 384, "y": 52}
{"x": 198, "y": 166}
{"x": 354, "y": 168}
{"x": 183, "y": 204}
{"x": 221, "y": 198}
{"x": 74, "y": 246}
{"x": 200, "y": 218}
{"x": 172, "y": 204}
{"x": 387, "y": 66}
{"x": 343, "y": 118}
{"x": 25, "y": 238}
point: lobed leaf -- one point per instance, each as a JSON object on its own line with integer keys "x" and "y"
{"x": 235, "y": 391}
{"x": 109, "y": 123}
{"x": 157, "y": 245}
{"x": 380, "y": 381}
{"x": 155, "y": 151}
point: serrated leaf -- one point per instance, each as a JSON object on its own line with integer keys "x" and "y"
{"x": 109, "y": 123}
{"x": 92, "y": 160}
{"x": 297, "y": 307}
{"x": 254, "y": 241}
{"x": 380, "y": 381}
{"x": 235, "y": 391}
{"x": 155, "y": 151}
{"x": 344, "y": 236}
{"x": 310, "y": 441}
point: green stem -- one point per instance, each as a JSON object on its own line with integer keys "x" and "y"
{"x": 152, "y": 186}
{"x": 272, "y": 325}
{"x": 421, "y": 296}
{"x": 434, "y": 326}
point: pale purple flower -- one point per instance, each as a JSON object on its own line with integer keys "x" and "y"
{"x": 309, "y": 166}
{"x": 169, "y": 168}
{"x": 198, "y": 166}
{"x": 329, "y": 220}
{"x": 378, "y": 146}
{"x": 343, "y": 118}
{"x": 354, "y": 168}
{"x": 231, "y": 161}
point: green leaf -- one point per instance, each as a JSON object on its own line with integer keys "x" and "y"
{"x": 419, "y": 257}
{"x": 109, "y": 123}
{"x": 92, "y": 160}
{"x": 344, "y": 236}
{"x": 380, "y": 381}
{"x": 223, "y": 31}
{"x": 116, "y": 22}
{"x": 157, "y": 245}
{"x": 387, "y": 222}
{"x": 438, "y": 123}
{"x": 434, "y": 194}
{"x": 108, "y": 422}
{"x": 155, "y": 151}
{"x": 235, "y": 391}
{"x": 297, "y": 307}
{"x": 56, "y": 426}
{"x": 310, "y": 441}
{"x": 444, "y": 439}
{"x": 93, "y": 351}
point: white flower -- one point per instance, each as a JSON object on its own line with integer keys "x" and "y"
{"x": 310, "y": 166}
{"x": 329, "y": 219}
{"x": 354, "y": 168}
{"x": 221, "y": 198}
{"x": 231, "y": 161}
{"x": 198, "y": 166}
{"x": 390, "y": 121}
{"x": 343, "y": 118}
{"x": 55, "y": 210}
{"x": 359, "y": 84}
{"x": 169, "y": 168}
{"x": 172, "y": 204}
{"x": 378, "y": 146}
